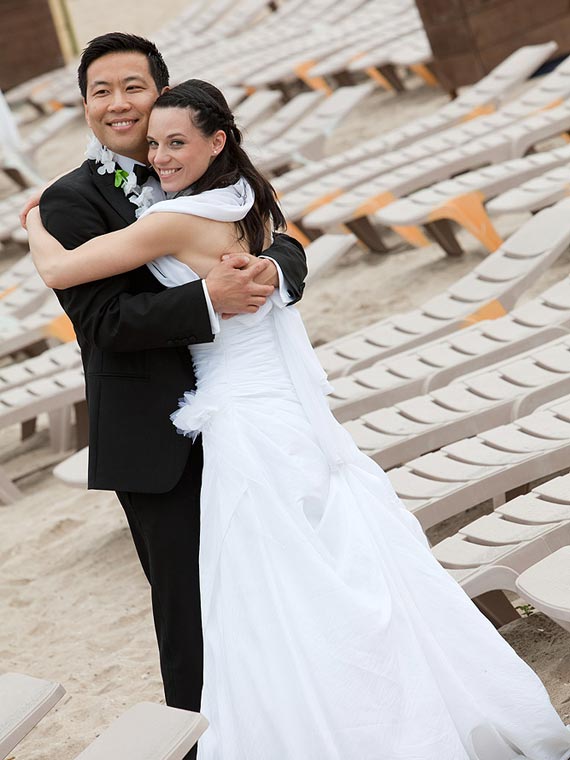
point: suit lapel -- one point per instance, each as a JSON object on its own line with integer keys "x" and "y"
{"x": 105, "y": 184}
{"x": 121, "y": 205}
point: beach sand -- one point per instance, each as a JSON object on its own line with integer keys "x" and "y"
{"x": 75, "y": 602}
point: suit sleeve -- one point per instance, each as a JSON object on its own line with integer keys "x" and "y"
{"x": 290, "y": 256}
{"x": 104, "y": 313}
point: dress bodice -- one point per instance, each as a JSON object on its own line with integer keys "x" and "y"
{"x": 244, "y": 351}
{"x": 266, "y": 355}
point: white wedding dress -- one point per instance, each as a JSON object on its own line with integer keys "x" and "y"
{"x": 330, "y": 630}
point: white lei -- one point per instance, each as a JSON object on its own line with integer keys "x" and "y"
{"x": 141, "y": 197}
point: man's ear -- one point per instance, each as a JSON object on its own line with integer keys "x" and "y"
{"x": 165, "y": 89}
{"x": 86, "y": 112}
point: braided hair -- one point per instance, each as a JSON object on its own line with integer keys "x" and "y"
{"x": 209, "y": 113}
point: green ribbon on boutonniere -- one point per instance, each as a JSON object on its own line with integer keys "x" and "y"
{"x": 120, "y": 177}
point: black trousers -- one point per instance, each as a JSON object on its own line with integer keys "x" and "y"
{"x": 166, "y": 532}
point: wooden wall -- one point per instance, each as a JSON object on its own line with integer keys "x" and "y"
{"x": 470, "y": 37}
{"x": 28, "y": 41}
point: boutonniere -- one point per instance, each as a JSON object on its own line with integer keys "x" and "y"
{"x": 121, "y": 176}
{"x": 124, "y": 180}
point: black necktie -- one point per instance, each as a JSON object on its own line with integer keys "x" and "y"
{"x": 143, "y": 173}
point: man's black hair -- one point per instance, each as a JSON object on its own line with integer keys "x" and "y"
{"x": 118, "y": 42}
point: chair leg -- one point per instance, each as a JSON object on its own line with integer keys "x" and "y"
{"x": 60, "y": 429}
{"x": 17, "y": 177}
{"x": 496, "y": 608}
{"x": 389, "y": 72}
{"x": 9, "y": 492}
{"x": 424, "y": 72}
{"x": 365, "y": 231}
{"x": 442, "y": 232}
{"x": 413, "y": 235}
{"x": 28, "y": 428}
{"x": 35, "y": 349}
{"x": 468, "y": 211}
{"x": 298, "y": 233}
{"x": 309, "y": 232}
{"x": 344, "y": 78}
{"x": 379, "y": 78}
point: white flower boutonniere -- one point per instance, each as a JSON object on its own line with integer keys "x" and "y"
{"x": 126, "y": 181}
{"x": 143, "y": 200}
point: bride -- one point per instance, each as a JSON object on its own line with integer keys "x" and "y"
{"x": 330, "y": 631}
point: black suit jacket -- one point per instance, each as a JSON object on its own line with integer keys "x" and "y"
{"x": 133, "y": 335}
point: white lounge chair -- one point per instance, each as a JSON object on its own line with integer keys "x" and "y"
{"x": 74, "y": 469}
{"x": 10, "y": 208}
{"x": 439, "y": 362}
{"x": 210, "y": 14}
{"x": 17, "y": 152}
{"x": 468, "y": 472}
{"x": 376, "y": 182}
{"x": 287, "y": 116}
{"x": 492, "y": 553}
{"x": 50, "y": 383}
{"x": 307, "y": 138}
{"x": 324, "y": 252}
{"x": 546, "y": 585}
{"x": 484, "y": 97}
{"x": 395, "y": 177}
{"x": 55, "y": 395}
{"x": 24, "y": 701}
{"x": 411, "y": 50}
{"x": 57, "y": 359}
{"x": 244, "y": 15}
{"x": 469, "y": 405}
{"x": 256, "y": 108}
{"x": 148, "y": 731}
{"x": 246, "y": 56}
{"x": 294, "y": 57}
{"x": 24, "y": 298}
{"x": 535, "y": 194}
{"x": 394, "y": 29}
{"x": 490, "y": 290}
{"x": 463, "y": 198}
{"x": 47, "y": 322}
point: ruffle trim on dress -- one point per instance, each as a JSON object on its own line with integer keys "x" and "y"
{"x": 193, "y": 414}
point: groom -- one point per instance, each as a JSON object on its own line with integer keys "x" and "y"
{"x": 134, "y": 337}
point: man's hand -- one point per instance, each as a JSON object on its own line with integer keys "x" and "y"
{"x": 33, "y": 201}
{"x": 267, "y": 277}
{"x": 234, "y": 290}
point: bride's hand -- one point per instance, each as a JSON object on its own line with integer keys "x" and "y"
{"x": 33, "y": 218}
{"x": 31, "y": 204}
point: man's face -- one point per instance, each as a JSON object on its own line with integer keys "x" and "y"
{"x": 120, "y": 95}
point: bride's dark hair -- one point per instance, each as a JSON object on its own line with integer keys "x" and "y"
{"x": 210, "y": 112}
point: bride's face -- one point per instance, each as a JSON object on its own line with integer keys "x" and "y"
{"x": 179, "y": 151}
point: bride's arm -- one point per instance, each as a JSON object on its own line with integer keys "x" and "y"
{"x": 106, "y": 255}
